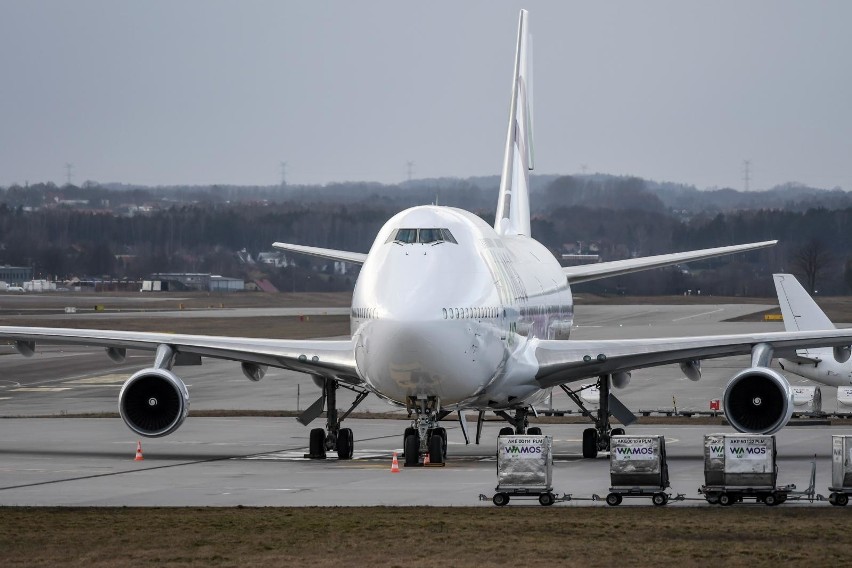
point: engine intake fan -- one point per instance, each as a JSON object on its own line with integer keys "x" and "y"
{"x": 758, "y": 401}
{"x": 153, "y": 402}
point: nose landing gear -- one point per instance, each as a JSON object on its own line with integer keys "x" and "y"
{"x": 425, "y": 438}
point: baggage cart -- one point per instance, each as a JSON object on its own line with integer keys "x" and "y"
{"x": 524, "y": 469}
{"x": 841, "y": 470}
{"x": 743, "y": 466}
{"x": 638, "y": 468}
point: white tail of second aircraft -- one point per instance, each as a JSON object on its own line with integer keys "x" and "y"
{"x": 513, "y": 207}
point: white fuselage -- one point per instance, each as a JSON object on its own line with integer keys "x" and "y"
{"x": 827, "y": 371}
{"x": 456, "y": 320}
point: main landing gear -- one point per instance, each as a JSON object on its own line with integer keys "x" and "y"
{"x": 333, "y": 437}
{"x": 519, "y": 423}
{"x": 597, "y": 439}
{"x": 425, "y": 437}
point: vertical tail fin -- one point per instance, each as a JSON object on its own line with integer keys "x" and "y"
{"x": 800, "y": 311}
{"x": 513, "y": 207}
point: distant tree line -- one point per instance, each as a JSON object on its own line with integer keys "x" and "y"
{"x": 201, "y": 229}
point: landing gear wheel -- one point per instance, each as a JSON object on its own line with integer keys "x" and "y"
{"x": 408, "y": 432}
{"x": 412, "y": 450}
{"x": 617, "y": 432}
{"x": 507, "y": 431}
{"x": 534, "y": 431}
{"x": 726, "y": 500}
{"x": 441, "y": 433}
{"x": 547, "y": 499}
{"x": 345, "y": 444}
{"x": 770, "y": 500}
{"x": 500, "y": 499}
{"x": 659, "y": 499}
{"x": 437, "y": 449}
{"x": 590, "y": 443}
{"x": 613, "y": 499}
{"x": 842, "y": 499}
{"x": 316, "y": 445}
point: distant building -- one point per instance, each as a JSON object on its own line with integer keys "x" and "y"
{"x": 176, "y": 281}
{"x": 16, "y": 275}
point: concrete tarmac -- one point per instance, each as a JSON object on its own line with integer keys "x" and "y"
{"x": 259, "y": 461}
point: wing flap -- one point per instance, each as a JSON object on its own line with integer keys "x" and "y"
{"x": 589, "y": 272}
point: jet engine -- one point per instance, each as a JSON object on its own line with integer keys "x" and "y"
{"x": 758, "y": 401}
{"x": 153, "y": 402}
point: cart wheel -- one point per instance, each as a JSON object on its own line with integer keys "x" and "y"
{"x": 547, "y": 499}
{"x": 726, "y": 500}
{"x": 613, "y": 499}
{"x": 842, "y": 499}
{"x": 832, "y": 498}
{"x": 659, "y": 499}
{"x": 770, "y": 499}
{"x": 712, "y": 498}
{"x": 617, "y": 432}
{"x": 500, "y": 499}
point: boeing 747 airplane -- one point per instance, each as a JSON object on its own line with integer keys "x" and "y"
{"x": 451, "y": 314}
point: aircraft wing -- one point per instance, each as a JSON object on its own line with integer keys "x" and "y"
{"x": 564, "y": 361}
{"x": 333, "y": 359}
{"x": 353, "y": 257}
{"x": 588, "y": 272}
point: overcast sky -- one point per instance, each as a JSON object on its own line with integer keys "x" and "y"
{"x": 197, "y": 92}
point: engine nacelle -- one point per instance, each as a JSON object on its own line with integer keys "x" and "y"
{"x": 842, "y": 353}
{"x": 758, "y": 401}
{"x": 253, "y": 371}
{"x": 621, "y": 379}
{"x": 153, "y": 402}
{"x": 691, "y": 370}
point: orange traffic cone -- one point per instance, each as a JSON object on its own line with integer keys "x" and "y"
{"x": 138, "y": 452}
{"x": 394, "y": 464}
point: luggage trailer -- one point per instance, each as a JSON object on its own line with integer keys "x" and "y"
{"x": 841, "y": 470}
{"x": 741, "y": 466}
{"x": 638, "y": 468}
{"x": 524, "y": 470}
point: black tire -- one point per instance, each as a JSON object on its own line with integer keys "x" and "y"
{"x": 842, "y": 499}
{"x": 659, "y": 499}
{"x": 500, "y": 499}
{"x": 547, "y": 499}
{"x": 613, "y": 499}
{"x": 833, "y": 499}
{"x": 590, "y": 443}
{"x": 770, "y": 500}
{"x": 726, "y": 500}
{"x": 712, "y": 498}
{"x": 408, "y": 432}
{"x": 345, "y": 444}
{"x": 412, "y": 451}
{"x": 316, "y": 447}
{"x": 442, "y": 432}
{"x": 437, "y": 449}
{"x": 534, "y": 431}
{"x": 617, "y": 432}
{"x": 507, "y": 431}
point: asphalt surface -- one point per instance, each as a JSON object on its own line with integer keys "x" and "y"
{"x": 259, "y": 461}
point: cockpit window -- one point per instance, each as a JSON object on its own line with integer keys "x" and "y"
{"x": 424, "y": 236}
